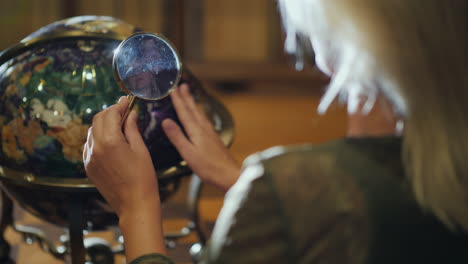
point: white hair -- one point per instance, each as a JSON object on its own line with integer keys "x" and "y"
{"x": 356, "y": 74}
{"x": 415, "y": 53}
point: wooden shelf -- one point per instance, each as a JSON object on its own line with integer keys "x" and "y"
{"x": 253, "y": 72}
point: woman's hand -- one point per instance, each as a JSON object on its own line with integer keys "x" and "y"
{"x": 117, "y": 162}
{"x": 203, "y": 150}
{"x": 120, "y": 166}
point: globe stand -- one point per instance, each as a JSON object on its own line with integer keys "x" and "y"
{"x": 32, "y": 234}
{"x": 76, "y": 225}
{"x": 6, "y": 220}
{"x": 95, "y": 250}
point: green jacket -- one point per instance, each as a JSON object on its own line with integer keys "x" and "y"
{"x": 347, "y": 201}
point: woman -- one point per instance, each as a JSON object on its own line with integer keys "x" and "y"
{"x": 369, "y": 198}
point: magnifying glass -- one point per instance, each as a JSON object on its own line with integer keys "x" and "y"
{"x": 146, "y": 66}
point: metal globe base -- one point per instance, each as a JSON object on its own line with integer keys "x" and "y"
{"x": 95, "y": 250}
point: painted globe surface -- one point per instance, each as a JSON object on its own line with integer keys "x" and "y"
{"x": 52, "y": 85}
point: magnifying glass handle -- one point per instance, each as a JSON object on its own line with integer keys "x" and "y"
{"x": 131, "y": 102}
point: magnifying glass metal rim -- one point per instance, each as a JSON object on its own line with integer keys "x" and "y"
{"x": 130, "y": 96}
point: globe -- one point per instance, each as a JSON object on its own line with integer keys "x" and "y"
{"x": 51, "y": 85}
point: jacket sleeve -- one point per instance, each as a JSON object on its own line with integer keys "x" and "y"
{"x": 251, "y": 226}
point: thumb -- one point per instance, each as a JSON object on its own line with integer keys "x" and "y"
{"x": 113, "y": 117}
{"x": 131, "y": 131}
{"x": 122, "y": 105}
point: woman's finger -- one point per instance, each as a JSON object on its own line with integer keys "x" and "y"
{"x": 188, "y": 119}
{"x": 177, "y": 138}
{"x": 132, "y": 133}
{"x": 189, "y": 102}
{"x": 108, "y": 122}
{"x": 198, "y": 112}
{"x": 88, "y": 147}
{"x": 115, "y": 113}
{"x": 85, "y": 153}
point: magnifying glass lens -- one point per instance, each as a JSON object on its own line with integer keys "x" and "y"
{"x": 147, "y": 66}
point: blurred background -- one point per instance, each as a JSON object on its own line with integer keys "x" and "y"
{"x": 234, "y": 47}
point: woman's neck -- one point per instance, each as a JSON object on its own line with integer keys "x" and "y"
{"x": 380, "y": 121}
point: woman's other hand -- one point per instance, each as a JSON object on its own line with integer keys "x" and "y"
{"x": 203, "y": 150}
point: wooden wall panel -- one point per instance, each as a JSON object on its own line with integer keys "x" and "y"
{"x": 149, "y": 15}
{"x": 194, "y": 14}
{"x": 22, "y": 17}
{"x": 44, "y": 12}
{"x": 93, "y": 7}
{"x": 236, "y": 30}
{"x": 146, "y": 14}
{"x": 263, "y": 121}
